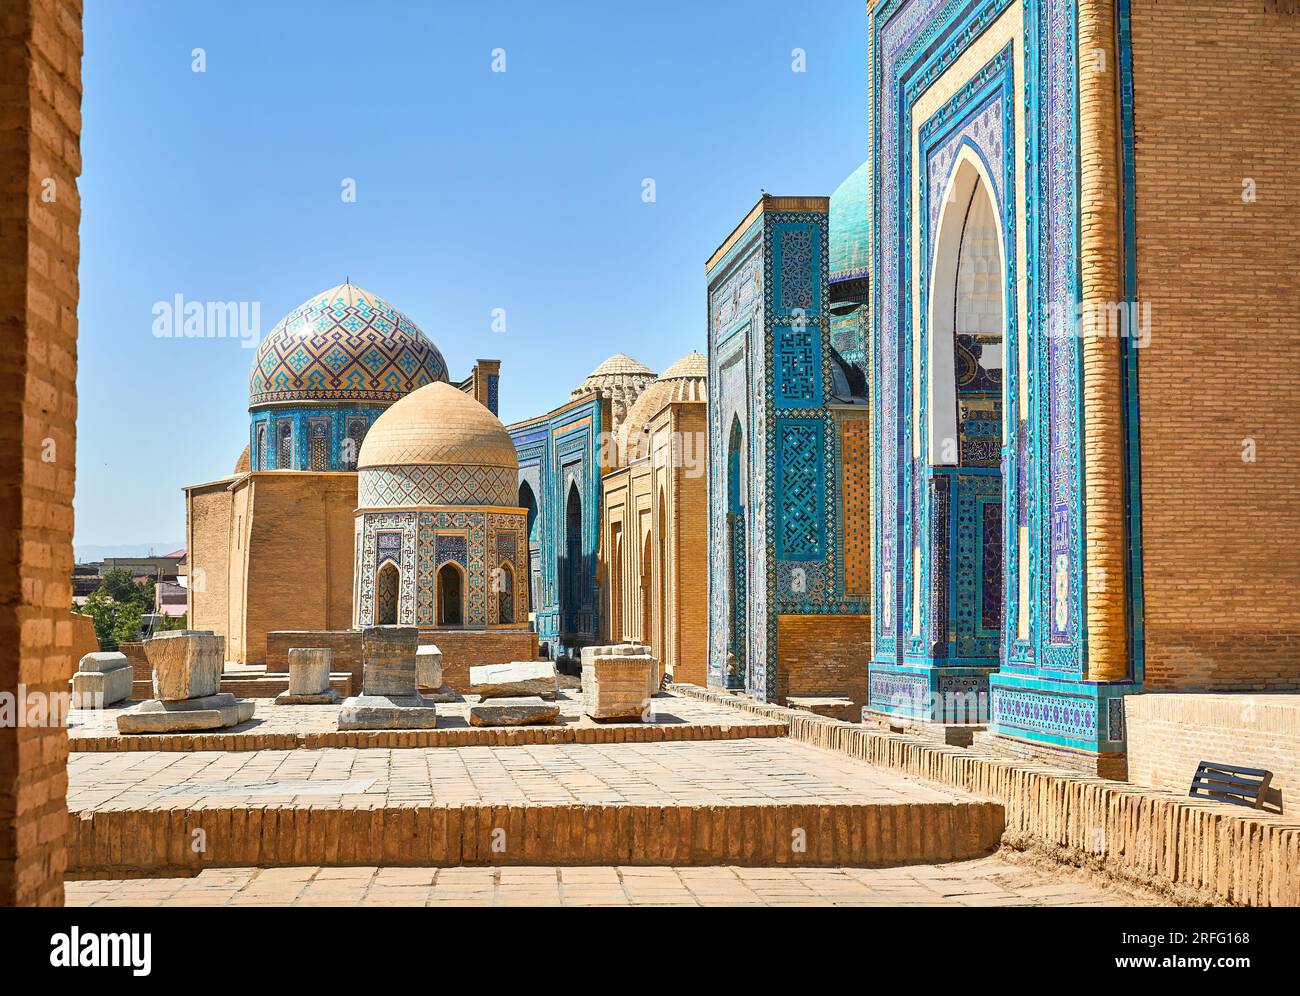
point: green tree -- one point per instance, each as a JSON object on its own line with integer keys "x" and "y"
{"x": 116, "y": 608}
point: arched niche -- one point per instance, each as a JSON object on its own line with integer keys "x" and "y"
{"x": 967, "y": 295}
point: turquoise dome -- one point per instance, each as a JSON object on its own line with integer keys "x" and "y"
{"x": 850, "y": 225}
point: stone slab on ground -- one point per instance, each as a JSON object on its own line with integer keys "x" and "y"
{"x": 186, "y": 663}
{"x": 525, "y": 710}
{"x": 831, "y": 706}
{"x": 515, "y": 679}
{"x": 388, "y": 712}
{"x": 101, "y": 679}
{"x": 327, "y": 697}
{"x": 274, "y": 727}
{"x": 618, "y": 687}
{"x": 443, "y": 694}
{"x": 206, "y": 712}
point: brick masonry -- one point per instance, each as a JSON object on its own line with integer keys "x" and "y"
{"x": 1216, "y": 124}
{"x": 1190, "y": 851}
{"x": 823, "y": 655}
{"x": 40, "y": 158}
{"x": 345, "y": 644}
{"x": 271, "y": 552}
{"x": 466, "y": 648}
{"x": 124, "y": 841}
{"x": 1169, "y": 735}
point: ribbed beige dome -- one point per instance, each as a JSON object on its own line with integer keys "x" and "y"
{"x": 242, "y": 464}
{"x": 438, "y": 425}
{"x": 621, "y": 379}
{"x": 685, "y": 380}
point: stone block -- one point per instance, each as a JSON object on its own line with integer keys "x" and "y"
{"x": 388, "y": 660}
{"x": 526, "y": 710}
{"x": 428, "y": 666}
{"x": 618, "y": 687}
{"x": 204, "y": 712}
{"x": 388, "y": 712}
{"x": 309, "y": 670}
{"x": 101, "y": 680}
{"x": 495, "y": 681}
{"x": 186, "y": 664}
{"x": 100, "y": 661}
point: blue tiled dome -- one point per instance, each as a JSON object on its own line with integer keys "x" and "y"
{"x": 850, "y": 225}
{"x": 344, "y": 344}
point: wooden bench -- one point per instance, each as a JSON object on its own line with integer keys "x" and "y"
{"x": 1228, "y": 783}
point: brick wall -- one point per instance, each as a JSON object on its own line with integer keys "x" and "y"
{"x": 690, "y": 504}
{"x": 345, "y": 645}
{"x": 1215, "y": 98}
{"x": 84, "y": 640}
{"x": 822, "y": 655}
{"x": 208, "y": 544}
{"x": 1169, "y": 735}
{"x": 40, "y": 159}
{"x": 134, "y": 653}
{"x": 275, "y": 552}
{"x": 466, "y": 648}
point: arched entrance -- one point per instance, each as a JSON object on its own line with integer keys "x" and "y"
{"x": 528, "y": 500}
{"x": 967, "y": 318}
{"x": 387, "y": 584}
{"x": 451, "y": 595}
{"x": 573, "y": 567}
{"x": 736, "y": 664}
{"x": 504, "y": 581}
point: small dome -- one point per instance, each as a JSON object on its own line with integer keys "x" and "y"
{"x": 242, "y": 464}
{"x": 685, "y": 380}
{"x": 437, "y": 446}
{"x": 344, "y": 344}
{"x": 621, "y": 379}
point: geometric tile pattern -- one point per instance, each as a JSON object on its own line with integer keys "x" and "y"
{"x": 420, "y": 542}
{"x": 395, "y": 487}
{"x": 344, "y": 344}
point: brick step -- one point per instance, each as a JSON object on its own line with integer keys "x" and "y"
{"x": 501, "y": 736}
{"x": 157, "y": 842}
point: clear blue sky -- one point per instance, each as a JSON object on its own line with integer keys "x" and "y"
{"x": 475, "y": 190}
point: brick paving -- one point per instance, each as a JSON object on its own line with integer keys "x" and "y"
{"x": 982, "y": 882}
{"x": 725, "y": 772}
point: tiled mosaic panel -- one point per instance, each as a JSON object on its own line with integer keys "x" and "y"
{"x": 553, "y": 452}
{"x": 421, "y": 541}
{"x": 328, "y": 349}
{"x": 800, "y": 491}
{"x": 437, "y": 485}
{"x": 313, "y": 432}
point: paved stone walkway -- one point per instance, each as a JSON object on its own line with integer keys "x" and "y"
{"x": 723, "y": 772}
{"x": 666, "y": 710}
{"x": 983, "y": 882}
